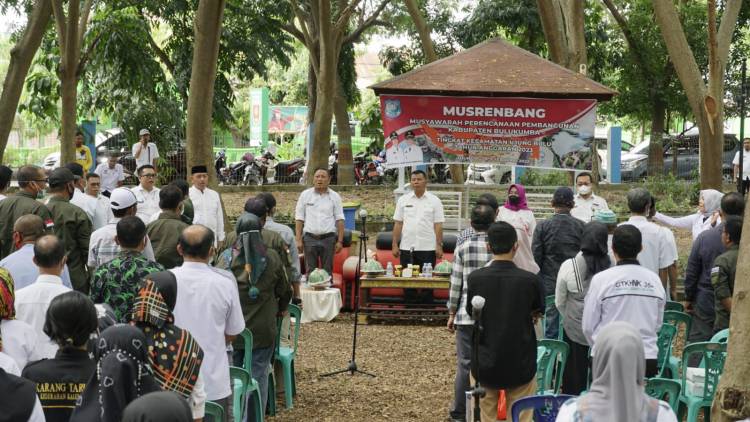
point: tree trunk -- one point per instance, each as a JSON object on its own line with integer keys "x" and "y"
{"x": 70, "y": 52}
{"x": 423, "y": 29}
{"x": 550, "y": 14}
{"x": 655, "y": 147}
{"x": 574, "y": 21}
{"x": 732, "y": 400}
{"x": 345, "y": 161}
{"x": 208, "y": 22}
{"x": 20, "y": 61}
{"x": 312, "y": 93}
{"x": 68, "y": 121}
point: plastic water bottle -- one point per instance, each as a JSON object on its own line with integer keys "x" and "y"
{"x": 389, "y": 269}
{"x": 428, "y": 270}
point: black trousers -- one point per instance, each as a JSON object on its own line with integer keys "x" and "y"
{"x": 745, "y": 186}
{"x": 418, "y": 258}
{"x": 576, "y": 367}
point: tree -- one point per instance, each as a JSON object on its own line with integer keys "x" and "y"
{"x": 208, "y": 24}
{"x": 706, "y": 100}
{"x": 21, "y": 57}
{"x": 562, "y": 22}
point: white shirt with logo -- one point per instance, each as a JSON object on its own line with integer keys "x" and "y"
{"x": 586, "y": 207}
{"x": 419, "y": 216}
{"x": 110, "y": 177}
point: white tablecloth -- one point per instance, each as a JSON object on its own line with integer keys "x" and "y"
{"x": 320, "y": 305}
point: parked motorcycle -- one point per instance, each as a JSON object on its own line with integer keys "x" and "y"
{"x": 234, "y": 174}
{"x": 253, "y": 172}
{"x": 289, "y": 171}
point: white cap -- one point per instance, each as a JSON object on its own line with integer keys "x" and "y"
{"x": 122, "y": 198}
{"x": 144, "y": 132}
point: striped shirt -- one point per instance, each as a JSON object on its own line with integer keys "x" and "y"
{"x": 471, "y": 255}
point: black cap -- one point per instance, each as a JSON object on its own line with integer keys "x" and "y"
{"x": 563, "y": 196}
{"x": 60, "y": 176}
{"x": 75, "y": 168}
{"x": 198, "y": 169}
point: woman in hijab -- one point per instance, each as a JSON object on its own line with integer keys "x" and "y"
{"x": 704, "y": 218}
{"x": 122, "y": 375}
{"x": 516, "y": 212}
{"x": 162, "y": 406}
{"x": 17, "y": 338}
{"x": 573, "y": 281}
{"x": 174, "y": 355}
{"x": 70, "y": 321}
{"x": 617, "y": 390}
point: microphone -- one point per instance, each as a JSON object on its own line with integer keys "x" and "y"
{"x": 477, "y": 305}
{"x": 363, "y": 214}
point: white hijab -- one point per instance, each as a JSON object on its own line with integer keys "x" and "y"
{"x": 711, "y": 201}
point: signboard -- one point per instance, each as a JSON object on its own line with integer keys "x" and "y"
{"x": 287, "y": 119}
{"x": 259, "y": 117}
{"x": 527, "y": 132}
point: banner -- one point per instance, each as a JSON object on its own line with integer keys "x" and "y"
{"x": 259, "y": 117}
{"x": 287, "y": 119}
{"x": 528, "y": 132}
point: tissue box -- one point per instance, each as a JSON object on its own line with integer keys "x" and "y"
{"x": 693, "y": 388}
{"x": 696, "y": 375}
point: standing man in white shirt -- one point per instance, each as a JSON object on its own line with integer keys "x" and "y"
{"x": 587, "y": 203}
{"x": 102, "y": 212}
{"x": 220, "y": 319}
{"x": 206, "y": 204}
{"x": 418, "y": 228}
{"x": 745, "y": 166}
{"x": 147, "y": 193}
{"x": 626, "y": 292}
{"x": 20, "y": 264}
{"x": 145, "y": 152}
{"x": 80, "y": 199}
{"x": 319, "y": 223}
{"x": 32, "y": 302}
{"x": 111, "y": 173}
{"x": 658, "y": 252}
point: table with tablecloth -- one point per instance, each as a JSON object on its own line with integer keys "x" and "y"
{"x": 320, "y": 305}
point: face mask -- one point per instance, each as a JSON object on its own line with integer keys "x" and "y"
{"x": 584, "y": 189}
{"x": 514, "y": 199}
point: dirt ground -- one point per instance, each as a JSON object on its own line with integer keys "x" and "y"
{"x": 414, "y": 368}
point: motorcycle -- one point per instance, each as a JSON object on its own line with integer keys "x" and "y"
{"x": 234, "y": 174}
{"x": 289, "y": 171}
{"x": 253, "y": 172}
{"x": 220, "y": 163}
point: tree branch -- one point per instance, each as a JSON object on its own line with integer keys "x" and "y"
{"x": 87, "y": 54}
{"x": 726, "y": 29}
{"x": 294, "y": 31}
{"x": 84, "y": 20}
{"x": 633, "y": 46}
{"x": 60, "y": 23}
{"x": 369, "y": 22}
{"x": 303, "y": 18}
{"x": 343, "y": 20}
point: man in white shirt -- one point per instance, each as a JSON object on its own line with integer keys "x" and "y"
{"x": 319, "y": 223}
{"x": 658, "y": 251}
{"x": 144, "y": 151}
{"x": 33, "y": 301}
{"x": 80, "y": 199}
{"x": 745, "y": 165}
{"x": 102, "y": 212}
{"x": 627, "y": 292}
{"x": 206, "y": 204}
{"x": 213, "y": 292}
{"x": 147, "y": 193}
{"x": 5, "y": 175}
{"x": 111, "y": 173}
{"x": 102, "y": 245}
{"x": 20, "y": 264}
{"x": 586, "y": 202}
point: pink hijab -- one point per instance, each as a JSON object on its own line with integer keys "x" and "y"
{"x": 521, "y": 199}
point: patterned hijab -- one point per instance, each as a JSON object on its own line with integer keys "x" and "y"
{"x": 7, "y": 297}
{"x": 173, "y": 353}
{"x": 522, "y": 205}
{"x": 122, "y": 375}
{"x": 250, "y": 250}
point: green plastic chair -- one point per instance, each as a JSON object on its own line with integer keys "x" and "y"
{"x": 551, "y": 358}
{"x": 550, "y": 301}
{"x": 678, "y": 319}
{"x": 666, "y": 336}
{"x": 721, "y": 336}
{"x": 244, "y": 385}
{"x": 214, "y": 411}
{"x": 674, "y": 306}
{"x": 285, "y": 356}
{"x": 271, "y": 406}
{"x": 714, "y": 355}
{"x": 665, "y": 389}
{"x": 247, "y": 359}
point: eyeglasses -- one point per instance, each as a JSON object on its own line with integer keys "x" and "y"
{"x": 41, "y": 180}
{"x": 151, "y": 175}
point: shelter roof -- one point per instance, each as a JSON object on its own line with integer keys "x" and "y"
{"x": 495, "y": 68}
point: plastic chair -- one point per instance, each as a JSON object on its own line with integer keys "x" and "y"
{"x": 247, "y": 341}
{"x": 550, "y": 301}
{"x": 677, "y": 319}
{"x": 665, "y": 389}
{"x": 271, "y": 406}
{"x": 286, "y": 355}
{"x": 545, "y": 407}
{"x": 214, "y": 411}
{"x": 714, "y": 355}
{"x": 666, "y": 336}
{"x": 550, "y": 365}
{"x": 674, "y": 306}
{"x": 243, "y": 385}
{"x": 721, "y": 336}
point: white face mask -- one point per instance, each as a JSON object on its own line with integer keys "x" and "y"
{"x": 584, "y": 189}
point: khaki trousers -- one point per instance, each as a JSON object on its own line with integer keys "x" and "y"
{"x": 488, "y": 404}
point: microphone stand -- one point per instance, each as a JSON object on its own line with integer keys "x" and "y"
{"x": 478, "y": 391}
{"x": 352, "y": 367}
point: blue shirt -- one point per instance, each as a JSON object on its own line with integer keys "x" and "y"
{"x": 20, "y": 265}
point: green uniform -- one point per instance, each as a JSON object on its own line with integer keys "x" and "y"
{"x": 73, "y": 227}
{"x": 164, "y": 233}
{"x": 11, "y": 209}
{"x": 722, "y": 279}
{"x": 188, "y": 212}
